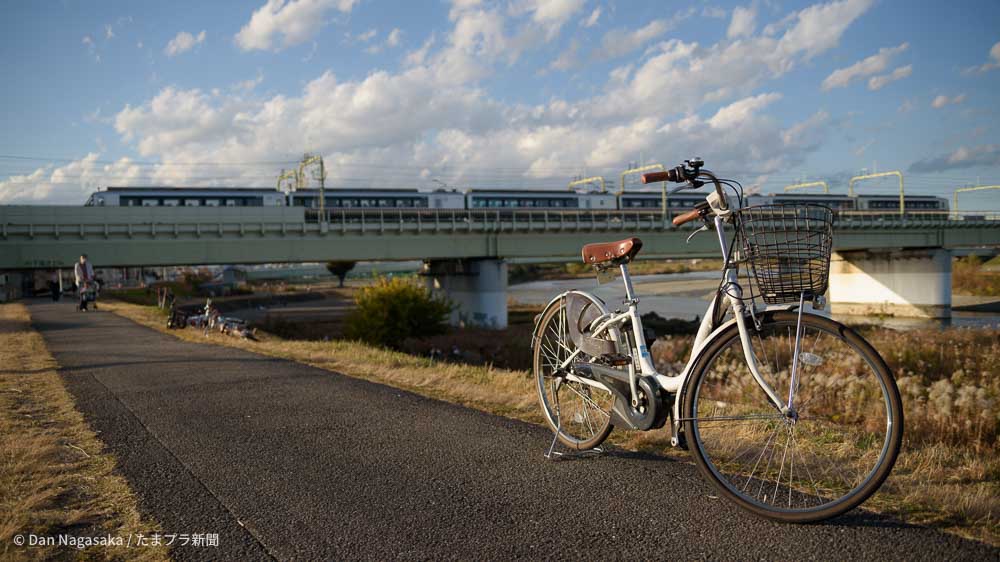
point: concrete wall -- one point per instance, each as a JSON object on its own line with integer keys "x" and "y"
{"x": 914, "y": 283}
{"x": 478, "y": 288}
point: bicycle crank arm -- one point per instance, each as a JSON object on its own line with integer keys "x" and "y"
{"x": 652, "y": 413}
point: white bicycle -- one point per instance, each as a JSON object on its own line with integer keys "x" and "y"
{"x": 790, "y": 414}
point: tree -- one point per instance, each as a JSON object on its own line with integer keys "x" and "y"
{"x": 340, "y": 269}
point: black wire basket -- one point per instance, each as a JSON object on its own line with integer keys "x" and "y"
{"x": 787, "y": 248}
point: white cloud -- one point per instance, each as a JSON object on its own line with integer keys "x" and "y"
{"x": 549, "y": 15}
{"x": 744, "y": 22}
{"x": 622, "y": 41}
{"x": 962, "y": 157}
{"x": 391, "y": 41}
{"x": 879, "y": 82}
{"x": 183, "y": 42}
{"x": 280, "y": 23}
{"x": 417, "y": 57}
{"x": 568, "y": 59}
{"x": 248, "y": 85}
{"x": 109, "y": 32}
{"x": 907, "y": 106}
{"x": 367, "y": 35}
{"x": 943, "y": 101}
{"x": 69, "y": 184}
{"x": 807, "y": 135}
{"x": 738, "y": 112}
{"x": 866, "y": 67}
{"x": 992, "y": 63}
{"x": 679, "y": 77}
{"x": 591, "y": 20}
{"x": 819, "y": 27}
{"x": 394, "y": 38}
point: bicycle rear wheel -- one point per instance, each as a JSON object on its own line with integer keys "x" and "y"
{"x": 826, "y": 458}
{"x": 580, "y": 414}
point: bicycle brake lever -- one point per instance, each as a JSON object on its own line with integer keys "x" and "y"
{"x": 704, "y": 228}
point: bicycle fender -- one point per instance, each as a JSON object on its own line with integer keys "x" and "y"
{"x": 555, "y": 302}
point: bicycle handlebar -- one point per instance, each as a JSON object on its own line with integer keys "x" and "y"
{"x": 690, "y": 171}
{"x": 686, "y": 217}
{"x": 669, "y": 175}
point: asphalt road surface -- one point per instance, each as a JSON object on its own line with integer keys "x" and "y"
{"x": 286, "y": 461}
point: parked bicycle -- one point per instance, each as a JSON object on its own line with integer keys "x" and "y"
{"x": 788, "y": 413}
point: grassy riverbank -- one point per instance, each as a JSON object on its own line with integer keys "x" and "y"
{"x": 970, "y": 277}
{"x": 54, "y": 477}
{"x": 523, "y": 273}
{"x": 948, "y": 476}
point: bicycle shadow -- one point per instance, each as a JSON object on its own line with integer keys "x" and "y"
{"x": 856, "y": 518}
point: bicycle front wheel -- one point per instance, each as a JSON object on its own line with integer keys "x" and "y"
{"x": 826, "y": 457}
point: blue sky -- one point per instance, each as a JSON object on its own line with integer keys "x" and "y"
{"x": 520, "y": 93}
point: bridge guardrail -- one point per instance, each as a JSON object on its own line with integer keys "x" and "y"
{"x": 443, "y": 221}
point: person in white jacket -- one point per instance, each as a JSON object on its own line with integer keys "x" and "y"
{"x": 84, "y": 274}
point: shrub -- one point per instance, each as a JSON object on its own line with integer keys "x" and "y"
{"x": 391, "y": 310}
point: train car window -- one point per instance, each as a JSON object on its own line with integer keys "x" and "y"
{"x": 191, "y": 202}
{"x": 211, "y": 202}
{"x": 150, "y": 203}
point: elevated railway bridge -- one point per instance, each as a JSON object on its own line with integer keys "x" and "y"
{"x": 892, "y": 263}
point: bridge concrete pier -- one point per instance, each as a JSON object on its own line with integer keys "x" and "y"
{"x": 913, "y": 282}
{"x": 477, "y": 288}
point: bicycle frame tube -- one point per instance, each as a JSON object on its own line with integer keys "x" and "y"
{"x": 673, "y": 384}
{"x": 735, "y": 294}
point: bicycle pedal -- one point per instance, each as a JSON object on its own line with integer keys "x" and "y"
{"x": 616, "y": 359}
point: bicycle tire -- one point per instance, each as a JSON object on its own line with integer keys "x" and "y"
{"x": 727, "y": 485}
{"x": 562, "y": 425}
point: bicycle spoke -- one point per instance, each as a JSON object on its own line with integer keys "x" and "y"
{"x": 820, "y": 454}
{"x": 568, "y": 405}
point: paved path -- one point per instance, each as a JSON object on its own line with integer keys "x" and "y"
{"x": 289, "y": 462}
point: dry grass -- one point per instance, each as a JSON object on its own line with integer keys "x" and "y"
{"x": 969, "y": 278}
{"x": 522, "y": 273}
{"x": 948, "y": 475}
{"x": 54, "y": 478}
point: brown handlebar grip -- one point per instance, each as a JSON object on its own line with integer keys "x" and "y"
{"x": 654, "y": 177}
{"x": 686, "y": 217}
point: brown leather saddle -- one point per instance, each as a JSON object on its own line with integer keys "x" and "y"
{"x": 622, "y": 251}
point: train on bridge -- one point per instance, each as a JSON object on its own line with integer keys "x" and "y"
{"x": 484, "y": 199}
